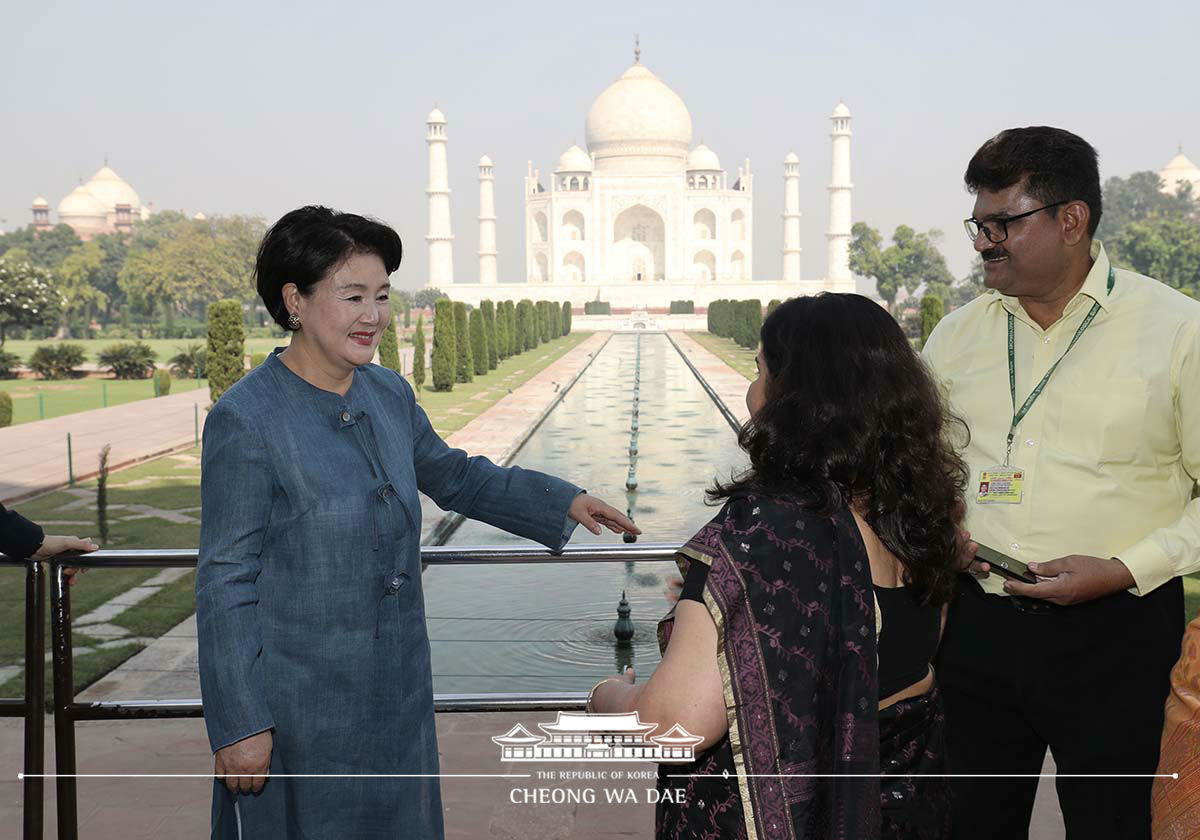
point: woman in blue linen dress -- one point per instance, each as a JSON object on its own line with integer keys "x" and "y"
{"x": 314, "y": 656}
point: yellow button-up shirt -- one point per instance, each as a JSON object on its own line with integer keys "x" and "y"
{"x": 1111, "y": 448}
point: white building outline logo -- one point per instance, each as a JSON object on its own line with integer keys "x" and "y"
{"x": 578, "y": 736}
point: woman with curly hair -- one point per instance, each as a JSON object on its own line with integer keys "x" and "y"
{"x": 813, "y": 603}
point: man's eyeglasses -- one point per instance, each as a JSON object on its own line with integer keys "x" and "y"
{"x": 996, "y": 230}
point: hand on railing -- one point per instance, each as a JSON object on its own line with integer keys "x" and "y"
{"x": 244, "y": 764}
{"x": 53, "y": 546}
{"x": 591, "y": 513}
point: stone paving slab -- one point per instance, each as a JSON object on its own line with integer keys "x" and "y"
{"x": 475, "y": 809}
{"x": 729, "y": 385}
{"x": 34, "y": 455}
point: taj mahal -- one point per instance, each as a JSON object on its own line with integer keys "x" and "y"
{"x": 641, "y": 217}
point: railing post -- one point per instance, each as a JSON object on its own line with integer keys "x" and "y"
{"x": 64, "y": 697}
{"x": 196, "y": 421}
{"x": 35, "y": 700}
{"x": 70, "y": 464}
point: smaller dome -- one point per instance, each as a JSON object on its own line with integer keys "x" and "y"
{"x": 574, "y": 159}
{"x": 791, "y": 158}
{"x": 40, "y": 202}
{"x": 199, "y": 217}
{"x": 435, "y": 116}
{"x": 1180, "y": 163}
{"x": 841, "y": 110}
{"x": 485, "y": 161}
{"x": 704, "y": 158}
{"x": 80, "y": 202}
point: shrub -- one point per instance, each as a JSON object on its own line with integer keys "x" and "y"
{"x": 5, "y": 409}
{"x": 502, "y": 340}
{"x": 418, "y": 371}
{"x": 444, "y": 351}
{"x": 772, "y": 305}
{"x": 932, "y": 311}
{"x": 479, "y": 347}
{"x": 683, "y": 307}
{"x": 189, "y": 361}
{"x": 389, "y": 348}
{"x": 526, "y": 340}
{"x": 597, "y": 307}
{"x": 162, "y": 382}
{"x": 464, "y": 366}
{"x": 545, "y": 325}
{"x": 566, "y": 318}
{"x": 488, "y": 310}
{"x": 9, "y": 362}
{"x": 226, "y": 347}
{"x": 514, "y": 347}
{"x": 133, "y": 360}
{"x": 57, "y": 361}
{"x": 751, "y": 323}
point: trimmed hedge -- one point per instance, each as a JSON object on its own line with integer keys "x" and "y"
{"x": 418, "y": 371}
{"x": 597, "y": 307}
{"x": 502, "y": 340}
{"x": 510, "y": 309}
{"x": 226, "y": 347}
{"x": 566, "y": 318}
{"x": 488, "y": 310}
{"x": 683, "y": 307}
{"x": 527, "y": 324}
{"x": 445, "y": 352}
{"x": 932, "y": 311}
{"x": 464, "y": 366}
{"x": 5, "y": 409}
{"x": 389, "y": 347}
{"x": 162, "y": 382}
{"x": 479, "y": 346}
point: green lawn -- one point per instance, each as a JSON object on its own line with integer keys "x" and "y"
{"x": 164, "y": 347}
{"x": 41, "y": 399}
{"x": 728, "y": 351}
{"x": 449, "y": 411}
{"x": 163, "y": 489}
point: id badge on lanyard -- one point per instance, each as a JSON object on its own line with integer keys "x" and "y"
{"x": 1004, "y": 484}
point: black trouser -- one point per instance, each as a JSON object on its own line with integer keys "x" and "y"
{"x": 1089, "y": 681}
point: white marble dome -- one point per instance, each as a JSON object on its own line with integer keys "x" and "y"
{"x": 792, "y": 157}
{"x": 574, "y": 159}
{"x": 41, "y": 203}
{"x": 436, "y": 116}
{"x": 703, "y": 158}
{"x": 485, "y": 161}
{"x": 841, "y": 110}
{"x": 107, "y": 186}
{"x": 84, "y": 212}
{"x": 638, "y": 116}
{"x": 1180, "y": 168}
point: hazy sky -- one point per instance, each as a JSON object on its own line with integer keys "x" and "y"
{"x": 259, "y": 107}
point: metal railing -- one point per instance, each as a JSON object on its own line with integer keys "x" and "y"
{"x": 33, "y": 707}
{"x": 67, "y": 711}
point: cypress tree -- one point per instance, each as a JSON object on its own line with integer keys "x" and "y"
{"x": 389, "y": 347}
{"x": 501, "y": 332}
{"x": 464, "y": 368}
{"x": 479, "y": 346}
{"x": 488, "y": 310}
{"x": 566, "y": 317}
{"x": 932, "y": 311}
{"x": 225, "y": 362}
{"x": 418, "y": 371}
{"x": 544, "y": 321}
{"x": 445, "y": 352}
{"x": 510, "y": 311}
{"x": 772, "y": 305}
{"x": 529, "y": 330}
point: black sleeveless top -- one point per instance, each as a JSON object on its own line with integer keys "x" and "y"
{"x": 906, "y": 645}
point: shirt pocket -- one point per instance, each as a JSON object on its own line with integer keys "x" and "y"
{"x": 1101, "y": 420}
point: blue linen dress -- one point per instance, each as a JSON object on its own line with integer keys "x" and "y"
{"x": 311, "y": 618}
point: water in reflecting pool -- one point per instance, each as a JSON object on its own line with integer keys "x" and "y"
{"x": 549, "y": 628}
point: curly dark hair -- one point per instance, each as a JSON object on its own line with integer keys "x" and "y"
{"x": 853, "y": 415}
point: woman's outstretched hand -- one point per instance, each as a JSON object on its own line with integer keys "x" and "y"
{"x": 592, "y": 513}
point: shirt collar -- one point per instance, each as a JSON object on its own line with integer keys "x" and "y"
{"x": 1095, "y": 285}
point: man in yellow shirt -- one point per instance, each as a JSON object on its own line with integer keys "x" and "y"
{"x": 1080, "y": 383}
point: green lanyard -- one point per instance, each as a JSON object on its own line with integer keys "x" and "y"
{"x": 1019, "y": 414}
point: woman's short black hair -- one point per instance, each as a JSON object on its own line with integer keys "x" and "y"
{"x": 308, "y": 243}
{"x": 1055, "y": 165}
{"x": 852, "y": 415}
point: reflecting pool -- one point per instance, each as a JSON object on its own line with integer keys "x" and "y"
{"x": 506, "y": 628}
